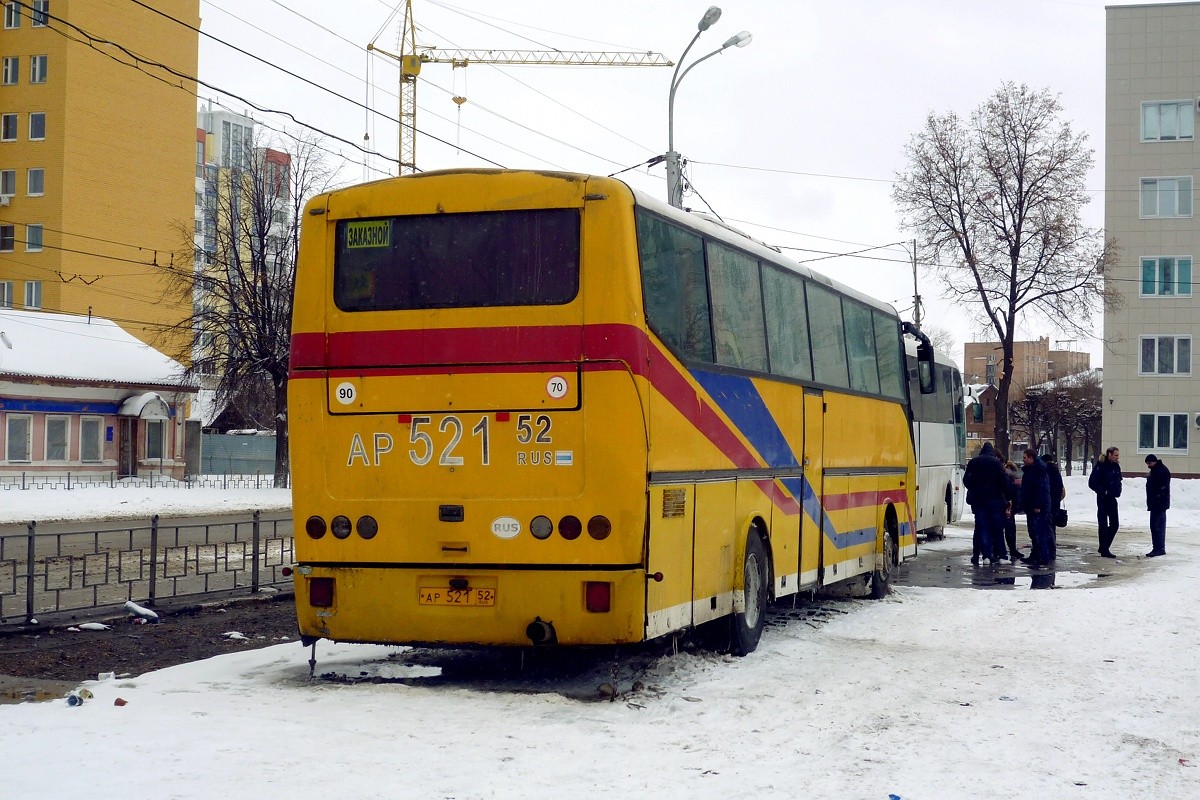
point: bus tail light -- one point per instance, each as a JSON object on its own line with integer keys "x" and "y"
{"x": 599, "y": 527}
{"x": 597, "y": 596}
{"x": 570, "y": 527}
{"x": 315, "y": 527}
{"x": 367, "y": 527}
{"x": 320, "y": 592}
{"x": 340, "y": 526}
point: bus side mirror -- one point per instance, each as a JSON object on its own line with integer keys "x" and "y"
{"x": 925, "y": 376}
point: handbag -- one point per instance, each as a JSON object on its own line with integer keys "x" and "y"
{"x": 1060, "y": 518}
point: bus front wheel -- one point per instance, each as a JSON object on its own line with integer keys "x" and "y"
{"x": 748, "y": 624}
{"x": 881, "y": 578}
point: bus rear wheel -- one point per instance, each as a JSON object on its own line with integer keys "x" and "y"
{"x": 748, "y": 624}
{"x": 881, "y": 578}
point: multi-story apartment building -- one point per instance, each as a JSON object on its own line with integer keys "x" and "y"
{"x": 1151, "y": 389}
{"x": 1033, "y": 363}
{"x": 94, "y": 158}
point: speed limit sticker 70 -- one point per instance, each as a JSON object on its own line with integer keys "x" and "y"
{"x": 556, "y": 387}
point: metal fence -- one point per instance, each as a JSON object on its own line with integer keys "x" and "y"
{"x": 84, "y": 480}
{"x": 54, "y": 572}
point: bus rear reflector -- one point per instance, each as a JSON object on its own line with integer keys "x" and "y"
{"x": 599, "y": 527}
{"x": 320, "y": 592}
{"x": 315, "y": 527}
{"x": 597, "y": 596}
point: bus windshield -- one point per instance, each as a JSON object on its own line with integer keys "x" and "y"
{"x": 495, "y": 258}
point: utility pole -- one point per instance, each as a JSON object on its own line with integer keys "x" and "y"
{"x": 916, "y": 293}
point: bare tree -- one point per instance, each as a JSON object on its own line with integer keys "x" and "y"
{"x": 241, "y": 290}
{"x": 995, "y": 203}
{"x": 941, "y": 338}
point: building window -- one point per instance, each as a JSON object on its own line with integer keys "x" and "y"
{"x": 91, "y": 447}
{"x": 1167, "y": 276}
{"x": 33, "y": 238}
{"x": 12, "y": 15}
{"x": 1166, "y": 355}
{"x": 37, "y": 126}
{"x": 6, "y": 294}
{"x": 37, "y": 181}
{"x": 8, "y": 182}
{"x": 1163, "y": 432}
{"x": 1166, "y": 197}
{"x": 8, "y": 127}
{"x": 1168, "y": 122}
{"x": 18, "y": 430}
{"x": 33, "y": 294}
{"x": 58, "y": 433}
{"x": 37, "y": 69}
{"x": 41, "y": 13}
{"x": 155, "y": 434}
{"x": 12, "y": 70}
{"x": 8, "y": 238}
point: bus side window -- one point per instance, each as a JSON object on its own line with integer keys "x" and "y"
{"x": 787, "y": 324}
{"x": 828, "y": 336}
{"x": 675, "y": 286}
{"x": 889, "y": 352}
{"x": 860, "y": 345}
{"x": 737, "y": 309}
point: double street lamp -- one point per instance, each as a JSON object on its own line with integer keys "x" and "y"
{"x": 674, "y": 168}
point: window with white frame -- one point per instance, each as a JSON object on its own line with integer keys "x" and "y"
{"x": 12, "y": 15}
{"x": 40, "y": 17}
{"x": 37, "y": 126}
{"x": 58, "y": 433}
{"x": 8, "y": 238}
{"x": 38, "y": 66}
{"x": 8, "y": 127}
{"x": 1166, "y": 355}
{"x": 8, "y": 182}
{"x": 12, "y": 70}
{"x": 1159, "y": 431}
{"x": 18, "y": 434}
{"x": 1166, "y": 276}
{"x": 37, "y": 181}
{"x": 33, "y": 238}
{"x": 91, "y": 445}
{"x": 33, "y": 294}
{"x": 6, "y": 294}
{"x": 1170, "y": 121}
{"x": 1166, "y": 197}
{"x": 156, "y": 433}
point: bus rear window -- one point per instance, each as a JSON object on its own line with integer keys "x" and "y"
{"x": 494, "y": 258}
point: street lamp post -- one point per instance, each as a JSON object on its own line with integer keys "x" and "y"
{"x": 674, "y": 168}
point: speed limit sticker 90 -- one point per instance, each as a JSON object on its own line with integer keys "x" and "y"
{"x": 345, "y": 393}
{"x": 556, "y": 387}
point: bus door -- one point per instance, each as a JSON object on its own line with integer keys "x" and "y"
{"x": 813, "y": 512}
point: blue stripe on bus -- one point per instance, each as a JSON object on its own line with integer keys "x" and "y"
{"x": 738, "y": 397}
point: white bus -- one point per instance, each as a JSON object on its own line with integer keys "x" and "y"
{"x": 940, "y": 438}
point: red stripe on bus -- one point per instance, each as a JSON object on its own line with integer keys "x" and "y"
{"x": 786, "y": 503}
{"x": 841, "y": 502}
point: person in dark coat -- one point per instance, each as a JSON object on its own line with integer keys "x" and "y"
{"x": 1158, "y": 500}
{"x": 985, "y": 484}
{"x": 1012, "y": 475}
{"x": 1058, "y": 493}
{"x": 1035, "y": 497}
{"x": 1105, "y": 481}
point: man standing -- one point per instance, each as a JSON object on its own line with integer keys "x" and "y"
{"x": 985, "y": 484}
{"x": 1035, "y": 497}
{"x": 1105, "y": 481}
{"x": 1158, "y": 500}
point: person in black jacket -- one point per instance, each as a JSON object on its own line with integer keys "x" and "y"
{"x": 1058, "y": 493}
{"x": 985, "y": 485}
{"x": 1158, "y": 500}
{"x": 1105, "y": 481}
{"x": 1035, "y": 497}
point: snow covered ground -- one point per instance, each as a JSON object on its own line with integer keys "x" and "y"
{"x": 1086, "y": 692}
{"x": 99, "y": 503}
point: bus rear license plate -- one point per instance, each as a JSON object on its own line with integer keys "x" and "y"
{"x": 441, "y": 596}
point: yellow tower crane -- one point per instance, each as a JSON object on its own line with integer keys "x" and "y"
{"x": 412, "y": 57}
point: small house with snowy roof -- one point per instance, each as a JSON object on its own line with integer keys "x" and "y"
{"x": 79, "y": 395}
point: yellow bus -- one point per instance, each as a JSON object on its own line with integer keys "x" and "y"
{"x": 535, "y": 408}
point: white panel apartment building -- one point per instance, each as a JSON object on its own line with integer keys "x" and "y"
{"x": 1151, "y": 383}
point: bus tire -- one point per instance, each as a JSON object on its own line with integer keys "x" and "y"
{"x": 881, "y": 578}
{"x": 748, "y": 625}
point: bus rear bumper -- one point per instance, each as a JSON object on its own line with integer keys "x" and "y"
{"x": 503, "y": 607}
